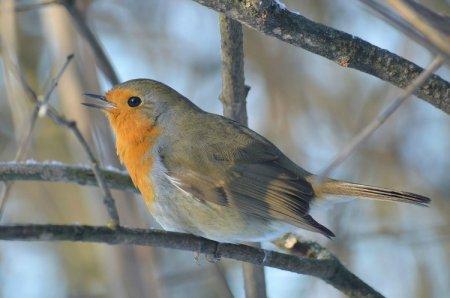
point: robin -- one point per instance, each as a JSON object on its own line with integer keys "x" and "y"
{"x": 210, "y": 176}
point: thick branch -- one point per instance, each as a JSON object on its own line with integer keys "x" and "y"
{"x": 324, "y": 267}
{"x": 270, "y": 18}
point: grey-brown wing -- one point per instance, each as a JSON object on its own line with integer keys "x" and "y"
{"x": 251, "y": 179}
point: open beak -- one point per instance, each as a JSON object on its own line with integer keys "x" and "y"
{"x": 101, "y": 102}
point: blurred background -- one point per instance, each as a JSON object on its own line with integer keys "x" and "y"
{"x": 308, "y": 106}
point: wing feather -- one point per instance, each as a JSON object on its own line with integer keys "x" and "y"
{"x": 250, "y": 174}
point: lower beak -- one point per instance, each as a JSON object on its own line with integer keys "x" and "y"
{"x": 101, "y": 102}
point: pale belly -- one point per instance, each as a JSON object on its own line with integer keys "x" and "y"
{"x": 180, "y": 212}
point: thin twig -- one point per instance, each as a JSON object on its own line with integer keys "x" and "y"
{"x": 438, "y": 20}
{"x": 54, "y": 82}
{"x": 83, "y": 29}
{"x": 24, "y": 144}
{"x": 381, "y": 118}
{"x": 325, "y": 266}
{"x": 72, "y": 126}
{"x": 393, "y": 19}
{"x": 32, "y": 6}
{"x": 268, "y": 17}
{"x": 441, "y": 41}
{"x": 409, "y": 29}
{"x": 107, "y": 197}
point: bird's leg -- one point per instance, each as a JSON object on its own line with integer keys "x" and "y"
{"x": 197, "y": 257}
{"x": 210, "y": 257}
{"x": 215, "y": 256}
{"x": 198, "y": 252}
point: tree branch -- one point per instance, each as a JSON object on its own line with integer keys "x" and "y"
{"x": 233, "y": 97}
{"x": 60, "y": 120}
{"x": 325, "y": 266}
{"x": 268, "y": 17}
{"x": 234, "y": 90}
{"x": 413, "y": 17}
{"x": 58, "y": 172}
{"x": 25, "y": 142}
{"x": 441, "y": 23}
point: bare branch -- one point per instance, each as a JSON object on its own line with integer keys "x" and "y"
{"x": 416, "y": 20}
{"x": 409, "y": 29}
{"x": 32, "y": 6}
{"x": 58, "y": 172}
{"x": 268, "y": 17}
{"x": 55, "y": 81}
{"x": 389, "y": 16}
{"x": 381, "y": 118}
{"x": 325, "y": 266}
{"x": 233, "y": 97}
{"x": 312, "y": 250}
{"x": 107, "y": 197}
{"x": 83, "y": 175}
{"x": 439, "y": 21}
{"x": 24, "y": 144}
{"x": 234, "y": 90}
{"x": 72, "y": 126}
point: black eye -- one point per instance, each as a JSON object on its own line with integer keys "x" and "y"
{"x": 134, "y": 101}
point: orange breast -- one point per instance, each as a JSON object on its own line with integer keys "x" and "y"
{"x": 134, "y": 147}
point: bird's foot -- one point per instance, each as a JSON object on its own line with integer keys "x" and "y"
{"x": 210, "y": 257}
{"x": 215, "y": 256}
{"x": 197, "y": 257}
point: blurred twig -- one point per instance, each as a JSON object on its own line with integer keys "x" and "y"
{"x": 325, "y": 267}
{"x": 381, "y": 118}
{"x": 72, "y": 126}
{"x": 393, "y": 19}
{"x": 84, "y": 30}
{"x": 439, "y": 25}
{"x": 412, "y": 16}
{"x": 270, "y": 18}
{"x": 439, "y": 21}
{"x": 31, "y": 6}
{"x": 25, "y": 142}
{"x": 233, "y": 97}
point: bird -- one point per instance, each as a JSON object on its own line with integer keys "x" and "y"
{"x": 207, "y": 175}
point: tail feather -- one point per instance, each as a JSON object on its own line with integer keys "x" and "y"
{"x": 340, "y": 188}
{"x": 314, "y": 226}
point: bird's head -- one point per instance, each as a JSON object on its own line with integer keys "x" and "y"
{"x": 135, "y": 106}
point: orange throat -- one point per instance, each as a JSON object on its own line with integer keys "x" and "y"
{"x": 134, "y": 141}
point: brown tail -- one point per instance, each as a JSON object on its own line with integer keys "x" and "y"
{"x": 341, "y": 188}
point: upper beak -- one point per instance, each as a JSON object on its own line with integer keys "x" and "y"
{"x": 101, "y": 102}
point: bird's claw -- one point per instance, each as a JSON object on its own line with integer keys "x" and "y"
{"x": 212, "y": 258}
